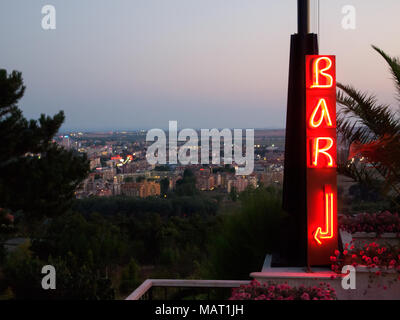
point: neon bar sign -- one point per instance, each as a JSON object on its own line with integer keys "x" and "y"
{"x": 321, "y": 158}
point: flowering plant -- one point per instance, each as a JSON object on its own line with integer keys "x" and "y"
{"x": 271, "y": 291}
{"x": 377, "y": 222}
{"x": 372, "y": 256}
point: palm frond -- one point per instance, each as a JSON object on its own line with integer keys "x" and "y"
{"x": 372, "y": 131}
{"x": 362, "y": 118}
{"x": 394, "y": 64}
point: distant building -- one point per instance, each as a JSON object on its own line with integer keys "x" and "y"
{"x": 205, "y": 182}
{"x": 238, "y": 183}
{"x": 95, "y": 163}
{"x": 272, "y": 177}
{"x": 66, "y": 142}
{"x": 141, "y": 189}
{"x": 116, "y": 187}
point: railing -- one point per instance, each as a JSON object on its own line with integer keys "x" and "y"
{"x": 145, "y": 291}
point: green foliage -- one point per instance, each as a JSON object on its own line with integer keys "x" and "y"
{"x": 73, "y": 279}
{"x": 171, "y": 206}
{"x": 168, "y": 232}
{"x": 187, "y": 185}
{"x": 79, "y": 281}
{"x": 372, "y": 130}
{"x": 78, "y": 235}
{"x": 22, "y": 272}
{"x": 394, "y": 67}
{"x": 233, "y": 195}
{"x": 45, "y": 186}
{"x": 130, "y": 277}
{"x": 128, "y": 179}
{"x": 83, "y": 254}
{"x": 36, "y": 175}
{"x": 164, "y": 186}
{"x": 361, "y": 192}
{"x": 184, "y": 242}
{"x": 245, "y": 237}
{"x": 88, "y": 251}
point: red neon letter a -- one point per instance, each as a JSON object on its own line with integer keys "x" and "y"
{"x": 322, "y": 105}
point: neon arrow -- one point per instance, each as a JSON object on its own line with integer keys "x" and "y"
{"x": 328, "y": 233}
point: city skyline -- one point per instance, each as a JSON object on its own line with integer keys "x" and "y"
{"x": 135, "y": 65}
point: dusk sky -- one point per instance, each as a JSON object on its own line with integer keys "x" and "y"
{"x": 136, "y": 64}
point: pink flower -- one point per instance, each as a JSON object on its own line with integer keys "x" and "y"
{"x": 305, "y": 296}
{"x": 282, "y": 292}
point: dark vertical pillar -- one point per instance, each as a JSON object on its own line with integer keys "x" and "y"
{"x": 303, "y": 17}
{"x": 295, "y": 182}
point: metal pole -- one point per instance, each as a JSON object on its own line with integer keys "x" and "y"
{"x": 295, "y": 179}
{"x": 303, "y": 20}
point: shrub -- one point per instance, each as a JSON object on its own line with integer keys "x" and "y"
{"x": 271, "y": 291}
{"x": 372, "y": 256}
{"x": 130, "y": 277}
{"x": 245, "y": 237}
{"x": 22, "y": 273}
{"x": 377, "y": 222}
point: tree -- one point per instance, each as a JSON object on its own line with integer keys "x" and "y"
{"x": 130, "y": 277}
{"x": 187, "y": 185}
{"x": 75, "y": 280}
{"x": 372, "y": 133}
{"x": 36, "y": 175}
{"x": 233, "y": 195}
{"x": 164, "y": 184}
{"x": 244, "y": 237}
